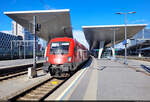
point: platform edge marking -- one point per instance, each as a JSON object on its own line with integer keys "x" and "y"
{"x": 67, "y": 90}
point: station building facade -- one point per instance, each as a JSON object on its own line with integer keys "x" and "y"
{"x": 26, "y": 45}
{"x": 137, "y": 47}
{"x": 18, "y": 30}
{"x": 18, "y": 44}
{"x": 5, "y": 44}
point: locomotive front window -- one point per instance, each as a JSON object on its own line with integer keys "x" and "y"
{"x": 59, "y": 48}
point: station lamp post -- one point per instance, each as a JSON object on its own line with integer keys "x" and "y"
{"x": 125, "y": 57}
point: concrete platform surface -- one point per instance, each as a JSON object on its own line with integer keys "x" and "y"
{"x": 18, "y": 62}
{"x": 135, "y": 63}
{"x": 106, "y": 80}
{"x": 16, "y": 85}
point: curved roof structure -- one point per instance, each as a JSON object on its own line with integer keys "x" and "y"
{"x": 94, "y": 34}
{"x": 54, "y": 23}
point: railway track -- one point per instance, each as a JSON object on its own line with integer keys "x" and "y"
{"x": 138, "y": 69}
{"x": 16, "y": 69}
{"x": 14, "y": 75}
{"x": 41, "y": 91}
{"x": 13, "y": 72}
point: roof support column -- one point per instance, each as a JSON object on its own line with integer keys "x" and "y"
{"x": 101, "y": 46}
{"x": 113, "y": 52}
{"x": 32, "y": 70}
{"x": 140, "y": 55}
{"x": 34, "y": 44}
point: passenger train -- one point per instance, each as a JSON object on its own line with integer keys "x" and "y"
{"x": 64, "y": 55}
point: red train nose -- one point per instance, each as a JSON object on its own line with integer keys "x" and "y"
{"x": 58, "y": 59}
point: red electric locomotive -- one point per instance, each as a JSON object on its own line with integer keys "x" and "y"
{"x": 64, "y": 55}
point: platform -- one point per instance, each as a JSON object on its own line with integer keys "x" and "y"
{"x": 18, "y": 62}
{"x": 107, "y": 80}
{"x": 10, "y": 88}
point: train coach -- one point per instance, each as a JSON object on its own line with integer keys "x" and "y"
{"x": 64, "y": 55}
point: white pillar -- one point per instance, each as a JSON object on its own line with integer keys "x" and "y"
{"x": 100, "y": 53}
{"x": 113, "y": 52}
{"x": 140, "y": 54}
{"x": 101, "y": 46}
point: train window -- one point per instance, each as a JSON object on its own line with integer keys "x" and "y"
{"x": 59, "y": 48}
{"x": 53, "y": 45}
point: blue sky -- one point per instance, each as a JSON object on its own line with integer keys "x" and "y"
{"x": 83, "y": 12}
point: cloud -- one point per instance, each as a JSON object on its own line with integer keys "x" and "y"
{"x": 46, "y": 6}
{"x": 139, "y": 21}
{"x": 79, "y": 36}
{"x": 7, "y": 31}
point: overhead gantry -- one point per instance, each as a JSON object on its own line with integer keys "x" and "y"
{"x": 100, "y": 37}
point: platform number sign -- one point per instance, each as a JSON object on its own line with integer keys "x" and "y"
{"x": 124, "y": 42}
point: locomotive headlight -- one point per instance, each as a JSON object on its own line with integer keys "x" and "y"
{"x": 69, "y": 59}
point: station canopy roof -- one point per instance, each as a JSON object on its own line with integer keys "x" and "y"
{"x": 94, "y": 34}
{"x": 54, "y": 23}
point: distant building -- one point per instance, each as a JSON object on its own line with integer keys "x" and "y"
{"x": 5, "y": 44}
{"x": 145, "y": 34}
{"x": 17, "y": 29}
{"x": 138, "y": 47}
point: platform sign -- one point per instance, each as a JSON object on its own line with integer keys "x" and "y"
{"x": 124, "y": 42}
